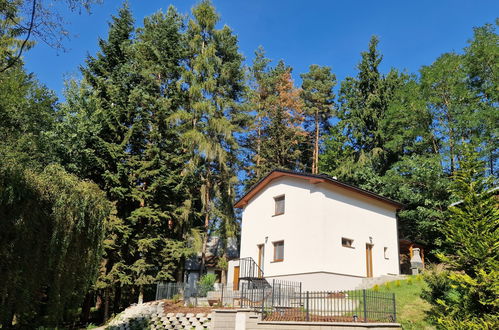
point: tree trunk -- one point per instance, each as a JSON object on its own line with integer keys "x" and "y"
{"x": 258, "y": 147}
{"x": 117, "y": 299}
{"x": 141, "y": 295}
{"x": 203, "y": 254}
{"x": 85, "y": 308}
{"x": 106, "y": 304}
{"x": 206, "y": 224}
{"x": 315, "y": 161}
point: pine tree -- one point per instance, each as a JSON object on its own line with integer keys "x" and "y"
{"x": 318, "y": 97}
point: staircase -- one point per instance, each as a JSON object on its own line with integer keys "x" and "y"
{"x": 250, "y": 271}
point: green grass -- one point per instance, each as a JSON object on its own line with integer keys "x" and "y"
{"x": 411, "y": 309}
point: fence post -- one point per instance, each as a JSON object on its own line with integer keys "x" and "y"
{"x": 242, "y": 295}
{"x": 307, "y": 311}
{"x": 273, "y": 288}
{"x": 365, "y": 304}
{"x": 263, "y": 302}
{"x": 222, "y": 298}
{"x": 394, "y": 309}
{"x": 300, "y": 296}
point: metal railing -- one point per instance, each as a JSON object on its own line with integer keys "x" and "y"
{"x": 332, "y": 306}
{"x": 249, "y": 269}
{"x": 285, "y": 301}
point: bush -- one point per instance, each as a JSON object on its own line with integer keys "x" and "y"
{"x": 206, "y": 283}
{"x": 464, "y": 294}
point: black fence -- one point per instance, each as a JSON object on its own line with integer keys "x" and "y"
{"x": 332, "y": 306}
{"x": 280, "y": 300}
{"x": 257, "y": 294}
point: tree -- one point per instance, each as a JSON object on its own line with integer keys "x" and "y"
{"x": 258, "y": 94}
{"x": 318, "y": 98}
{"x": 444, "y": 86}
{"x": 211, "y": 117}
{"x": 127, "y": 144}
{"x": 480, "y": 63}
{"x": 364, "y": 112}
{"x": 21, "y": 20}
{"x": 52, "y": 232}
{"x": 277, "y": 138}
{"x": 469, "y": 297}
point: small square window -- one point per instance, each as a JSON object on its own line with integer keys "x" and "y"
{"x": 346, "y": 242}
{"x": 279, "y": 251}
{"x": 385, "y": 251}
{"x": 279, "y": 205}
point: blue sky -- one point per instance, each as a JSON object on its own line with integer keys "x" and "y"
{"x": 333, "y": 33}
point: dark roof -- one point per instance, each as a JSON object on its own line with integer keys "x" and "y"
{"x": 315, "y": 178}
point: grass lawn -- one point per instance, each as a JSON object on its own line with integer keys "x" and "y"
{"x": 410, "y": 307}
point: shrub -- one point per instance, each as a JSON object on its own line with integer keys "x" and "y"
{"x": 464, "y": 296}
{"x": 206, "y": 283}
{"x": 176, "y": 298}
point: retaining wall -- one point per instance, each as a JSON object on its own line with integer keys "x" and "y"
{"x": 245, "y": 319}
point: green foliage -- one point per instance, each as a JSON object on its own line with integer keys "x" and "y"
{"x": 318, "y": 100}
{"x": 277, "y": 137}
{"x": 467, "y": 291}
{"x": 206, "y": 283}
{"x": 115, "y": 132}
{"x": 53, "y": 227}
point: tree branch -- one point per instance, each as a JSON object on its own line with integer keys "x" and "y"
{"x": 25, "y": 41}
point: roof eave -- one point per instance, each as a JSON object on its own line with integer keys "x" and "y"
{"x": 313, "y": 178}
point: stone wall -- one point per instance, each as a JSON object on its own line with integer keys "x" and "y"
{"x": 152, "y": 316}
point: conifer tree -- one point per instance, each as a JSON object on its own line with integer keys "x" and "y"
{"x": 318, "y": 96}
{"x": 260, "y": 89}
{"x": 126, "y": 144}
{"x": 466, "y": 296}
{"x": 277, "y": 137}
{"x": 211, "y": 116}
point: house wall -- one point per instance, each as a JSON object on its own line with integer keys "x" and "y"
{"x": 316, "y": 217}
{"x": 297, "y": 227}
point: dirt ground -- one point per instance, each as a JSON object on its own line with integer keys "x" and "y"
{"x": 171, "y": 306}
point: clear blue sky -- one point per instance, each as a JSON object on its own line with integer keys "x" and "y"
{"x": 333, "y": 33}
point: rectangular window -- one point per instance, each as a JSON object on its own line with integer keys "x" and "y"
{"x": 279, "y": 251}
{"x": 385, "y": 250}
{"x": 346, "y": 242}
{"x": 279, "y": 205}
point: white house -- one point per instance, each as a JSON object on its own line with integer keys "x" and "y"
{"x": 317, "y": 230}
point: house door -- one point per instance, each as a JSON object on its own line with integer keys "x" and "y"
{"x": 369, "y": 260}
{"x": 260, "y": 259}
{"x": 236, "y": 279}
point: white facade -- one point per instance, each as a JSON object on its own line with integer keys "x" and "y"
{"x": 318, "y": 214}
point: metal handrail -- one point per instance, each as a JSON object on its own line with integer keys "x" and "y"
{"x": 249, "y": 268}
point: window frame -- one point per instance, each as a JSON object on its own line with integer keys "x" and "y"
{"x": 275, "y": 244}
{"x": 347, "y": 245}
{"x": 278, "y": 199}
